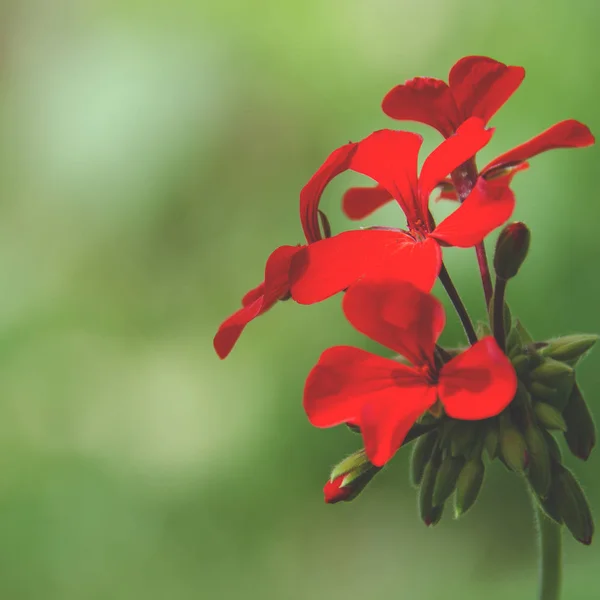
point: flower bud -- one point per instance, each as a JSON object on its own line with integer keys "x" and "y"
{"x": 570, "y": 348}
{"x": 421, "y": 455}
{"x": 429, "y": 512}
{"x": 513, "y": 343}
{"x": 553, "y": 447}
{"x": 447, "y": 476}
{"x": 511, "y": 250}
{"x": 520, "y": 363}
{"x": 349, "y": 478}
{"x": 549, "y": 417}
{"x": 573, "y": 506}
{"x": 581, "y": 431}
{"x": 468, "y": 485}
{"x": 538, "y": 472}
{"x": 513, "y": 447}
{"x": 552, "y": 373}
{"x": 491, "y": 441}
{"x": 524, "y": 335}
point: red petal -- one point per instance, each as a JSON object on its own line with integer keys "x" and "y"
{"x": 479, "y": 383}
{"x": 489, "y": 204}
{"x": 384, "y": 423}
{"x": 253, "y": 294}
{"x": 310, "y": 196}
{"x": 424, "y": 100}
{"x": 391, "y": 159}
{"x": 481, "y": 85}
{"x": 360, "y": 202}
{"x": 332, "y": 265}
{"x": 470, "y": 137}
{"x": 343, "y": 380}
{"x": 258, "y": 300}
{"x": 397, "y": 315}
{"x": 566, "y": 134}
{"x": 333, "y": 491}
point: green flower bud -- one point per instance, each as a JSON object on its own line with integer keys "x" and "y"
{"x": 549, "y": 417}
{"x": 511, "y": 250}
{"x": 430, "y": 514}
{"x": 513, "y": 447}
{"x": 445, "y": 481}
{"x": 573, "y": 506}
{"x": 581, "y": 431}
{"x": 550, "y": 506}
{"x": 421, "y": 455}
{"x": 349, "y": 478}
{"x": 570, "y": 348}
{"x": 552, "y": 373}
{"x": 492, "y": 439}
{"x": 468, "y": 485}
{"x": 538, "y": 472}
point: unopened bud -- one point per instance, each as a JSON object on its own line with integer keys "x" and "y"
{"x": 492, "y": 440}
{"x": 349, "y": 478}
{"x": 421, "y": 455}
{"x": 581, "y": 431}
{"x": 552, "y": 373}
{"x": 482, "y": 329}
{"x": 511, "y": 250}
{"x": 429, "y": 512}
{"x": 538, "y": 472}
{"x": 447, "y": 476}
{"x": 573, "y": 506}
{"x": 513, "y": 448}
{"x": 553, "y": 447}
{"x": 468, "y": 485}
{"x": 549, "y": 417}
{"x": 570, "y": 348}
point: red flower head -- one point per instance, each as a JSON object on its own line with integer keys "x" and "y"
{"x": 391, "y": 158}
{"x": 477, "y": 87}
{"x": 384, "y": 397}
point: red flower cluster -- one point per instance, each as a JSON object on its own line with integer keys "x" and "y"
{"x": 387, "y": 273}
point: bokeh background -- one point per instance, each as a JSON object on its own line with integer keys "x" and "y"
{"x": 151, "y": 158}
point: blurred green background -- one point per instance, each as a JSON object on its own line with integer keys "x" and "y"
{"x": 151, "y": 158}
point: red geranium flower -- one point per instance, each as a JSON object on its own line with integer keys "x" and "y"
{"x": 384, "y": 397}
{"x": 478, "y": 87}
{"x": 391, "y": 158}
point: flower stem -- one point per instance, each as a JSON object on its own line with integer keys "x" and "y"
{"x": 461, "y": 310}
{"x": 464, "y": 179}
{"x": 484, "y": 270}
{"x": 498, "y": 310}
{"x": 550, "y": 549}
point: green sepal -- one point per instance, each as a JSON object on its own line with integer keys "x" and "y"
{"x": 549, "y": 417}
{"x": 581, "y": 431}
{"x": 447, "y": 476}
{"x": 429, "y": 513}
{"x": 421, "y": 454}
{"x": 468, "y": 485}
{"x": 573, "y": 506}
{"x": 538, "y": 470}
{"x": 513, "y": 447}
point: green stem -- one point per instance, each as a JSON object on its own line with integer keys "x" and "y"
{"x": 463, "y": 315}
{"x": 498, "y": 311}
{"x": 550, "y": 549}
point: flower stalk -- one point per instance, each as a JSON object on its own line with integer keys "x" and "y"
{"x": 458, "y": 304}
{"x": 550, "y": 555}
